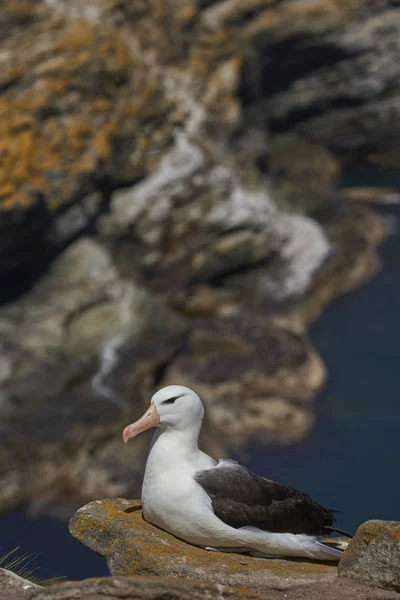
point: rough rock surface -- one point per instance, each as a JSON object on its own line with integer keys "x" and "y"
{"x": 116, "y": 530}
{"x": 222, "y": 227}
{"x": 254, "y": 376}
{"x": 158, "y": 588}
{"x": 146, "y": 588}
{"x": 14, "y": 587}
{"x": 373, "y": 555}
{"x": 328, "y": 72}
{"x": 95, "y": 94}
{"x": 73, "y": 98}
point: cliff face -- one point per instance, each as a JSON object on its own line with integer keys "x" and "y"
{"x": 158, "y": 231}
{"x": 330, "y": 71}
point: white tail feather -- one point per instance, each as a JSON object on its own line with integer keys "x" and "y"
{"x": 288, "y": 544}
{"x": 330, "y": 550}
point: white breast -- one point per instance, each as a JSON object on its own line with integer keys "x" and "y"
{"x": 171, "y": 498}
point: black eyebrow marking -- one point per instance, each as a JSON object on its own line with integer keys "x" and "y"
{"x": 172, "y": 400}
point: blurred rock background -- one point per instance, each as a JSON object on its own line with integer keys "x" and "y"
{"x": 169, "y": 212}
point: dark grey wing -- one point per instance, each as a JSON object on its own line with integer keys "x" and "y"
{"x": 242, "y": 498}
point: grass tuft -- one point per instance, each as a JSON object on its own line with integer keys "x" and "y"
{"x": 19, "y": 564}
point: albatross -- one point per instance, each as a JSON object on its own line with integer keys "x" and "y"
{"x": 220, "y": 505}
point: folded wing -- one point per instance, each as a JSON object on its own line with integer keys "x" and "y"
{"x": 241, "y": 498}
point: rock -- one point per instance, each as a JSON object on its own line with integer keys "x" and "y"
{"x": 223, "y": 226}
{"x": 72, "y": 97}
{"x": 70, "y": 344}
{"x": 373, "y": 555}
{"x": 116, "y": 530}
{"x": 370, "y": 195}
{"x": 14, "y": 587}
{"x": 94, "y": 97}
{"x": 80, "y": 352}
{"x": 355, "y": 234}
{"x": 146, "y": 588}
{"x": 250, "y": 357}
{"x": 254, "y": 376}
{"x": 385, "y": 160}
{"x": 301, "y": 174}
{"x": 325, "y": 70}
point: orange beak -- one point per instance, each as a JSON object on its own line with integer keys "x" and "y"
{"x": 149, "y": 419}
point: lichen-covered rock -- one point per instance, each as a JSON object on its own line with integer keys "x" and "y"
{"x": 143, "y": 588}
{"x": 14, "y": 587}
{"x": 92, "y": 95}
{"x": 116, "y": 530}
{"x": 73, "y": 101}
{"x": 373, "y": 555}
{"x": 79, "y": 353}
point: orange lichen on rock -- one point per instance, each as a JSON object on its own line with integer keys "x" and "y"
{"x": 373, "y": 555}
{"x": 116, "y": 530}
{"x": 73, "y": 92}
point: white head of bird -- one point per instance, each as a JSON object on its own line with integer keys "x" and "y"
{"x": 173, "y": 408}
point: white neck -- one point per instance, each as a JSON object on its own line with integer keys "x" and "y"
{"x": 171, "y": 447}
{"x": 183, "y": 441}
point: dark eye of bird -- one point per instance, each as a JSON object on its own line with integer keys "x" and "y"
{"x": 171, "y": 400}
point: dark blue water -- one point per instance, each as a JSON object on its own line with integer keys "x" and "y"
{"x": 59, "y": 553}
{"x": 349, "y": 462}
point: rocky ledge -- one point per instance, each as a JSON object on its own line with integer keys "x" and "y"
{"x": 160, "y": 588}
{"x": 373, "y": 555}
{"x": 116, "y": 530}
{"x": 121, "y": 588}
{"x": 14, "y": 587}
{"x": 149, "y": 564}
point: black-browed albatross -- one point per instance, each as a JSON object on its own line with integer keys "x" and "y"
{"x": 220, "y": 504}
